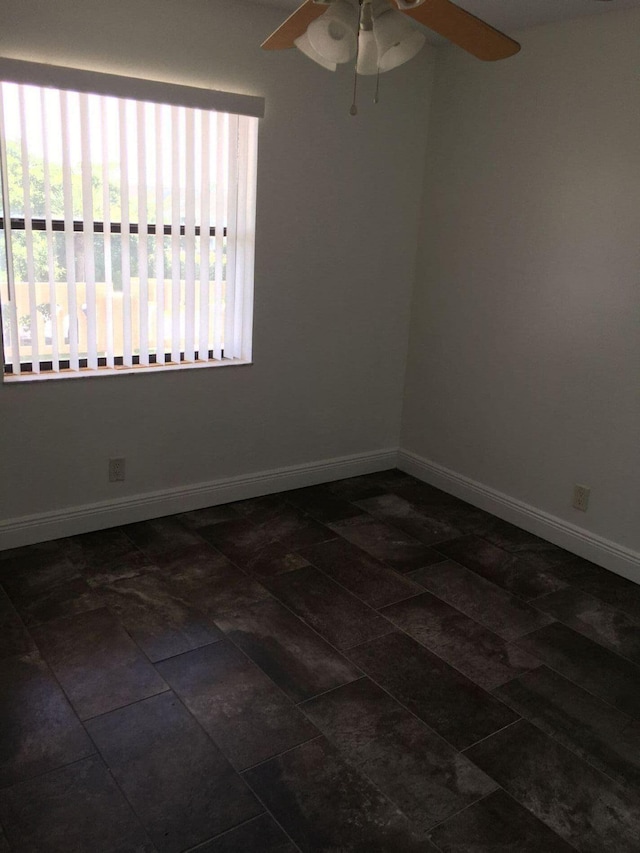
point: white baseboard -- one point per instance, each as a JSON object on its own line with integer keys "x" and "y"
{"x": 41, "y": 527}
{"x": 576, "y": 539}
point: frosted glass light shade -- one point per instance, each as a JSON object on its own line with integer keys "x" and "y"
{"x": 303, "y": 44}
{"x": 334, "y": 35}
{"x": 398, "y": 40}
{"x": 367, "y": 53}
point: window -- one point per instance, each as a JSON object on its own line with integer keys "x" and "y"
{"x": 127, "y": 223}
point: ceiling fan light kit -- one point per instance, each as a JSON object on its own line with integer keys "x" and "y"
{"x": 334, "y": 36}
{"x": 380, "y": 34}
{"x": 397, "y": 40}
{"x": 303, "y": 43}
{"x": 367, "y": 64}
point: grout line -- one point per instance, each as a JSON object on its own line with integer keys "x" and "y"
{"x": 330, "y": 690}
{"x": 31, "y": 778}
{"x": 201, "y": 845}
{"x": 383, "y": 565}
{"x": 464, "y": 808}
{"x": 271, "y": 815}
{"x": 420, "y": 720}
{"x": 487, "y": 737}
{"x": 185, "y": 652}
{"x": 511, "y": 797}
{"x": 319, "y": 736}
{"x": 128, "y": 705}
{"x": 608, "y": 646}
{"x": 348, "y": 593}
{"x": 413, "y": 827}
{"x": 121, "y": 790}
{"x": 392, "y": 630}
{"x": 305, "y": 624}
{"x": 259, "y": 666}
{"x": 434, "y": 651}
{"x": 572, "y": 749}
{"x": 571, "y": 680}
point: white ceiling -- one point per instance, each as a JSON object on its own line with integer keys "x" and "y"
{"x": 511, "y": 15}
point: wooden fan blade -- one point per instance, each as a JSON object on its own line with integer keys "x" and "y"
{"x": 464, "y": 29}
{"x": 294, "y": 26}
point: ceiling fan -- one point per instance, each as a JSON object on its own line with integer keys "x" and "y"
{"x": 378, "y": 33}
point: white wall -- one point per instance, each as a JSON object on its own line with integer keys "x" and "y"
{"x": 338, "y": 201}
{"x": 524, "y": 364}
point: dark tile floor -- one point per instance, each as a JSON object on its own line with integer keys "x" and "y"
{"x": 368, "y": 665}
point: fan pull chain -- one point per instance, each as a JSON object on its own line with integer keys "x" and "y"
{"x": 376, "y": 97}
{"x": 354, "y": 107}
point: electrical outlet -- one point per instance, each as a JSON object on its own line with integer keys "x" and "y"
{"x": 117, "y": 470}
{"x": 581, "y": 497}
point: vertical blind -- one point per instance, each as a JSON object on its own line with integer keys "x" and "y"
{"x": 128, "y": 231}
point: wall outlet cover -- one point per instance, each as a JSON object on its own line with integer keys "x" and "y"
{"x": 117, "y": 470}
{"x": 581, "y": 497}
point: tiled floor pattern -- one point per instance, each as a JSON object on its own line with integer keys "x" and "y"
{"x": 368, "y": 665}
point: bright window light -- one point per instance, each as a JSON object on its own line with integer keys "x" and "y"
{"x": 127, "y": 233}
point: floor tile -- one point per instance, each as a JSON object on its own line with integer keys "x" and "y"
{"x": 106, "y": 556}
{"x": 367, "y": 485}
{"x": 210, "y": 582}
{"x": 237, "y": 704}
{"x": 492, "y": 606}
{"x": 420, "y": 773}
{"x": 607, "y": 586}
{"x": 249, "y": 608}
{"x": 281, "y": 522}
{"x": 447, "y": 509}
{"x": 588, "y": 664}
{"x": 319, "y": 503}
{"x": 252, "y": 547}
{"x": 571, "y": 797}
{"x": 66, "y": 599}
{"x": 367, "y": 578}
{"x": 500, "y": 567}
{"x": 442, "y": 697}
{"x": 78, "y": 808}
{"x": 260, "y": 835}
{"x": 14, "y": 637}
{"x": 162, "y": 623}
{"x": 497, "y": 823}
{"x": 204, "y": 517}
{"x": 595, "y": 619}
{"x": 290, "y": 653}
{"x": 386, "y": 543}
{"x": 161, "y": 537}
{"x": 96, "y": 662}
{"x": 398, "y": 512}
{"x": 481, "y": 655}
{"x": 511, "y": 538}
{"x": 593, "y": 729}
{"x": 44, "y": 561}
{"x": 40, "y": 569}
{"x": 423, "y": 494}
{"x": 334, "y": 613}
{"x": 181, "y": 787}
{"x": 536, "y": 554}
{"x": 39, "y": 730}
{"x": 325, "y": 804}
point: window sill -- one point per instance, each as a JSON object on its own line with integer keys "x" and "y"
{"x": 138, "y": 370}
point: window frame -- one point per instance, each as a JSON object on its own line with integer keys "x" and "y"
{"x": 171, "y": 94}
